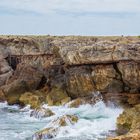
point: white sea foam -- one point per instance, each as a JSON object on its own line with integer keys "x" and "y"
{"x": 94, "y": 122}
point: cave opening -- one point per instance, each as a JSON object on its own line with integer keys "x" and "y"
{"x": 13, "y": 61}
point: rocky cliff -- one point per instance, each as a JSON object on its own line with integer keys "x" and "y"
{"x": 74, "y": 66}
{"x": 56, "y": 70}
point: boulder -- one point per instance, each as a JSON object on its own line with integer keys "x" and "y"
{"x": 57, "y": 96}
{"x": 14, "y": 90}
{"x": 41, "y": 113}
{"x": 76, "y": 103}
{"x": 34, "y": 99}
{"x": 129, "y": 120}
{"x": 93, "y": 99}
{"x": 53, "y": 128}
{"x": 128, "y": 124}
{"x": 25, "y": 78}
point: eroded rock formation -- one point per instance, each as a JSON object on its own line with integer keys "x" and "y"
{"x": 128, "y": 123}
{"x": 74, "y": 66}
{"x": 56, "y": 70}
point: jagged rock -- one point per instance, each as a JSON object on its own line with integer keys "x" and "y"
{"x": 79, "y": 82}
{"x": 56, "y": 97}
{"x": 93, "y": 99}
{"x": 104, "y": 50}
{"x": 5, "y": 71}
{"x": 128, "y": 124}
{"x": 130, "y": 74}
{"x": 80, "y": 65}
{"x": 129, "y": 119}
{"x": 53, "y": 128}
{"x": 14, "y": 90}
{"x": 47, "y": 133}
{"x": 75, "y": 50}
{"x": 107, "y": 79}
{"x": 134, "y": 99}
{"x": 35, "y": 99}
{"x": 2, "y": 96}
{"x": 25, "y": 78}
{"x": 28, "y": 73}
{"x": 123, "y": 99}
{"x": 3, "y": 52}
{"x": 76, "y": 103}
{"x": 65, "y": 101}
{"x": 41, "y": 113}
{"x": 135, "y": 135}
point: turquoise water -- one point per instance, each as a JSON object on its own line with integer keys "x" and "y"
{"x": 95, "y": 122}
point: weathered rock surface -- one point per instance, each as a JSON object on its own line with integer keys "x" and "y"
{"x": 124, "y": 99}
{"x": 82, "y": 50}
{"x": 53, "y": 128}
{"x": 34, "y": 98}
{"x": 2, "y": 96}
{"x": 25, "y": 78}
{"x": 14, "y": 90}
{"x": 41, "y": 113}
{"x": 78, "y": 66}
{"x": 5, "y": 71}
{"x": 28, "y": 73}
{"x": 128, "y": 123}
{"x": 96, "y": 97}
{"x": 129, "y": 136}
{"x": 57, "y": 97}
{"x": 67, "y": 68}
{"x": 129, "y": 120}
{"x": 130, "y": 71}
{"x": 79, "y": 82}
{"x": 107, "y": 78}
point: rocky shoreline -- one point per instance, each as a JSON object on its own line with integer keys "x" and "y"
{"x": 56, "y": 70}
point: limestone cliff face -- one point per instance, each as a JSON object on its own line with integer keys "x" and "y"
{"x": 76, "y": 65}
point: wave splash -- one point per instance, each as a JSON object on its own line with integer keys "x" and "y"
{"x": 95, "y": 122}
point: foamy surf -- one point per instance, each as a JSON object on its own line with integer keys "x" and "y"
{"x": 95, "y": 122}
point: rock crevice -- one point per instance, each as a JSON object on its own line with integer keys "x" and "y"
{"x": 78, "y": 66}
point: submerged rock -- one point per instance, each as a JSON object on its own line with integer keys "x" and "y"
{"x": 93, "y": 99}
{"x": 53, "y": 128}
{"x": 76, "y": 103}
{"x": 41, "y": 113}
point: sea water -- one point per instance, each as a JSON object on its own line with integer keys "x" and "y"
{"x": 95, "y": 122}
